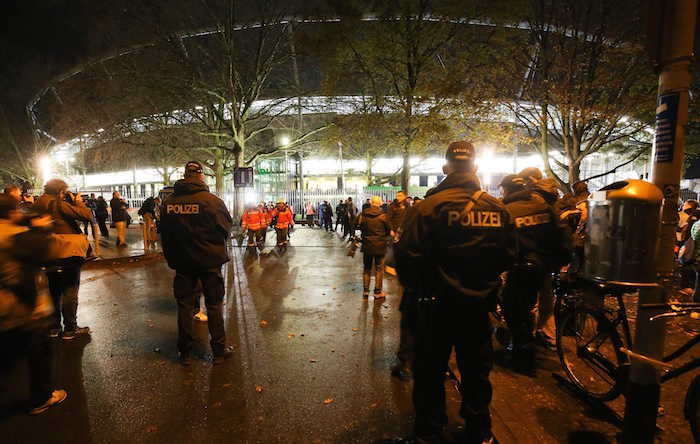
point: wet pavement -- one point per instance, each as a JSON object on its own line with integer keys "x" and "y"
{"x": 133, "y": 236}
{"x": 311, "y": 363}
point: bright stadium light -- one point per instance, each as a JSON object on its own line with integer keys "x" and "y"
{"x": 45, "y": 166}
{"x": 285, "y": 140}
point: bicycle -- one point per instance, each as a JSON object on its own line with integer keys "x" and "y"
{"x": 588, "y": 339}
{"x": 597, "y": 361}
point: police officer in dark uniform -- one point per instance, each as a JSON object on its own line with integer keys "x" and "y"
{"x": 195, "y": 227}
{"x": 544, "y": 244}
{"x": 452, "y": 249}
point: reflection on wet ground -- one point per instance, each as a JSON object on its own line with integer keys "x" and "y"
{"x": 311, "y": 363}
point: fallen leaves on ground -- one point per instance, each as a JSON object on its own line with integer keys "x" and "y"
{"x": 312, "y": 360}
{"x": 291, "y": 335}
{"x": 328, "y": 401}
{"x": 355, "y": 329}
{"x": 258, "y": 389}
{"x": 151, "y": 428}
{"x": 263, "y": 323}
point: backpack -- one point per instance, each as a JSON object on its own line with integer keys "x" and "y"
{"x": 686, "y": 255}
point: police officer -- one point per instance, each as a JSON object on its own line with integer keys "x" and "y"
{"x": 195, "y": 227}
{"x": 452, "y": 249}
{"x": 544, "y": 244}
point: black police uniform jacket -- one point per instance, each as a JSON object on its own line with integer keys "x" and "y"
{"x": 447, "y": 253}
{"x": 374, "y": 226}
{"x": 542, "y": 237}
{"x": 195, "y": 226}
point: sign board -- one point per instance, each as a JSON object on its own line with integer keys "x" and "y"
{"x": 666, "y": 121}
{"x": 243, "y": 177}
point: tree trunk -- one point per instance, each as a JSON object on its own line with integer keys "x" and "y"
{"x": 406, "y": 170}
{"x": 368, "y": 161}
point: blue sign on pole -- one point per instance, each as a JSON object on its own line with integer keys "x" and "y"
{"x": 666, "y": 120}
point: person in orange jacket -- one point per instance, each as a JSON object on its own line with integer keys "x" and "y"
{"x": 252, "y": 221}
{"x": 265, "y": 221}
{"x": 284, "y": 220}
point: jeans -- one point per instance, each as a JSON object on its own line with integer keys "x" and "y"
{"x": 186, "y": 289}
{"x": 63, "y": 286}
{"x": 378, "y": 260}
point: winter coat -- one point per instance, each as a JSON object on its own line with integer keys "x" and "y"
{"x": 542, "y": 237}
{"x": 63, "y": 213}
{"x": 447, "y": 253}
{"x": 119, "y": 213}
{"x": 252, "y": 219}
{"x": 395, "y": 214}
{"x": 101, "y": 209}
{"x": 195, "y": 226}
{"x": 375, "y": 228}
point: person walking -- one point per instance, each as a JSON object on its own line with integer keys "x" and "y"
{"x": 67, "y": 210}
{"x": 451, "y": 250}
{"x": 327, "y": 216}
{"x": 340, "y": 215}
{"x": 119, "y": 216}
{"x": 101, "y": 215}
{"x": 374, "y": 228}
{"x": 196, "y": 226}
{"x": 351, "y": 218}
{"x": 285, "y": 219}
{"x": 252, "y": 222}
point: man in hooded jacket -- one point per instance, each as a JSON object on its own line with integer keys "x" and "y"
{"x": 195, "y": 227}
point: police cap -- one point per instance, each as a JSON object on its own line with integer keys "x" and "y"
{"x": 460, "y": 151}
{"x": 512, "y": 182}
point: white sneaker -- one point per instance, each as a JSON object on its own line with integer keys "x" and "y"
{"x": 201, "y": 317}
{"x": 57, "y": 397}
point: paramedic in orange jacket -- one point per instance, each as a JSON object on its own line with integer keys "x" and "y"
{"x": 252, "y": 221}
{"x": 284, "y": 220}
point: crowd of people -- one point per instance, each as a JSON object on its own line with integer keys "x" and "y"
{"x": 459, "y": 253}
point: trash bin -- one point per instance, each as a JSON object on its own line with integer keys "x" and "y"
{"x": 621, "y": 233}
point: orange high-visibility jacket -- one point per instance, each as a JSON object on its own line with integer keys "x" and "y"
{"x": 284, "y": 217}
{"x": 252, "y": 219}
{"x": 265, "y": 217}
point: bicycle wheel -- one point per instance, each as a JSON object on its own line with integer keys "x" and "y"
{"x": 692, "y": 407}
{"x": 589, "y": 351}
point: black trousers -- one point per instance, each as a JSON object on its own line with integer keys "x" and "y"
{"x": 186, "y": 289}
{"x": 32, "y": 341}
{"x": 519, "y": 301}
{"x": 281, "y": 236}
{"x": 103, "y": 227}
{"x": 464, "y": 325}
{"x": 409, "y": 320}
{"x": 254, "y": 237}
{"x": 64, "y": 285}
{"x": 327, "y": 223}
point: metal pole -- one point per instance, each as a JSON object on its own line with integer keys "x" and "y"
{"x": 515, "y": 159}
{"x": 342, "y": 170}
{"x": 675, "y": 35}
{"x": 301, "y": 181}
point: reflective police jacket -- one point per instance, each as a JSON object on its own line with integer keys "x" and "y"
{"x": 252, "y": 219}
{"x": 447, "y": 251}
{"x": 284, "y": 216}
{"x": 542, "y": 237}
{"x": 195, "y": 226}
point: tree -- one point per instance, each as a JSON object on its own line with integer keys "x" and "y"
{"x": 578, "y": 78}
{"x": 407, "y": 65}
